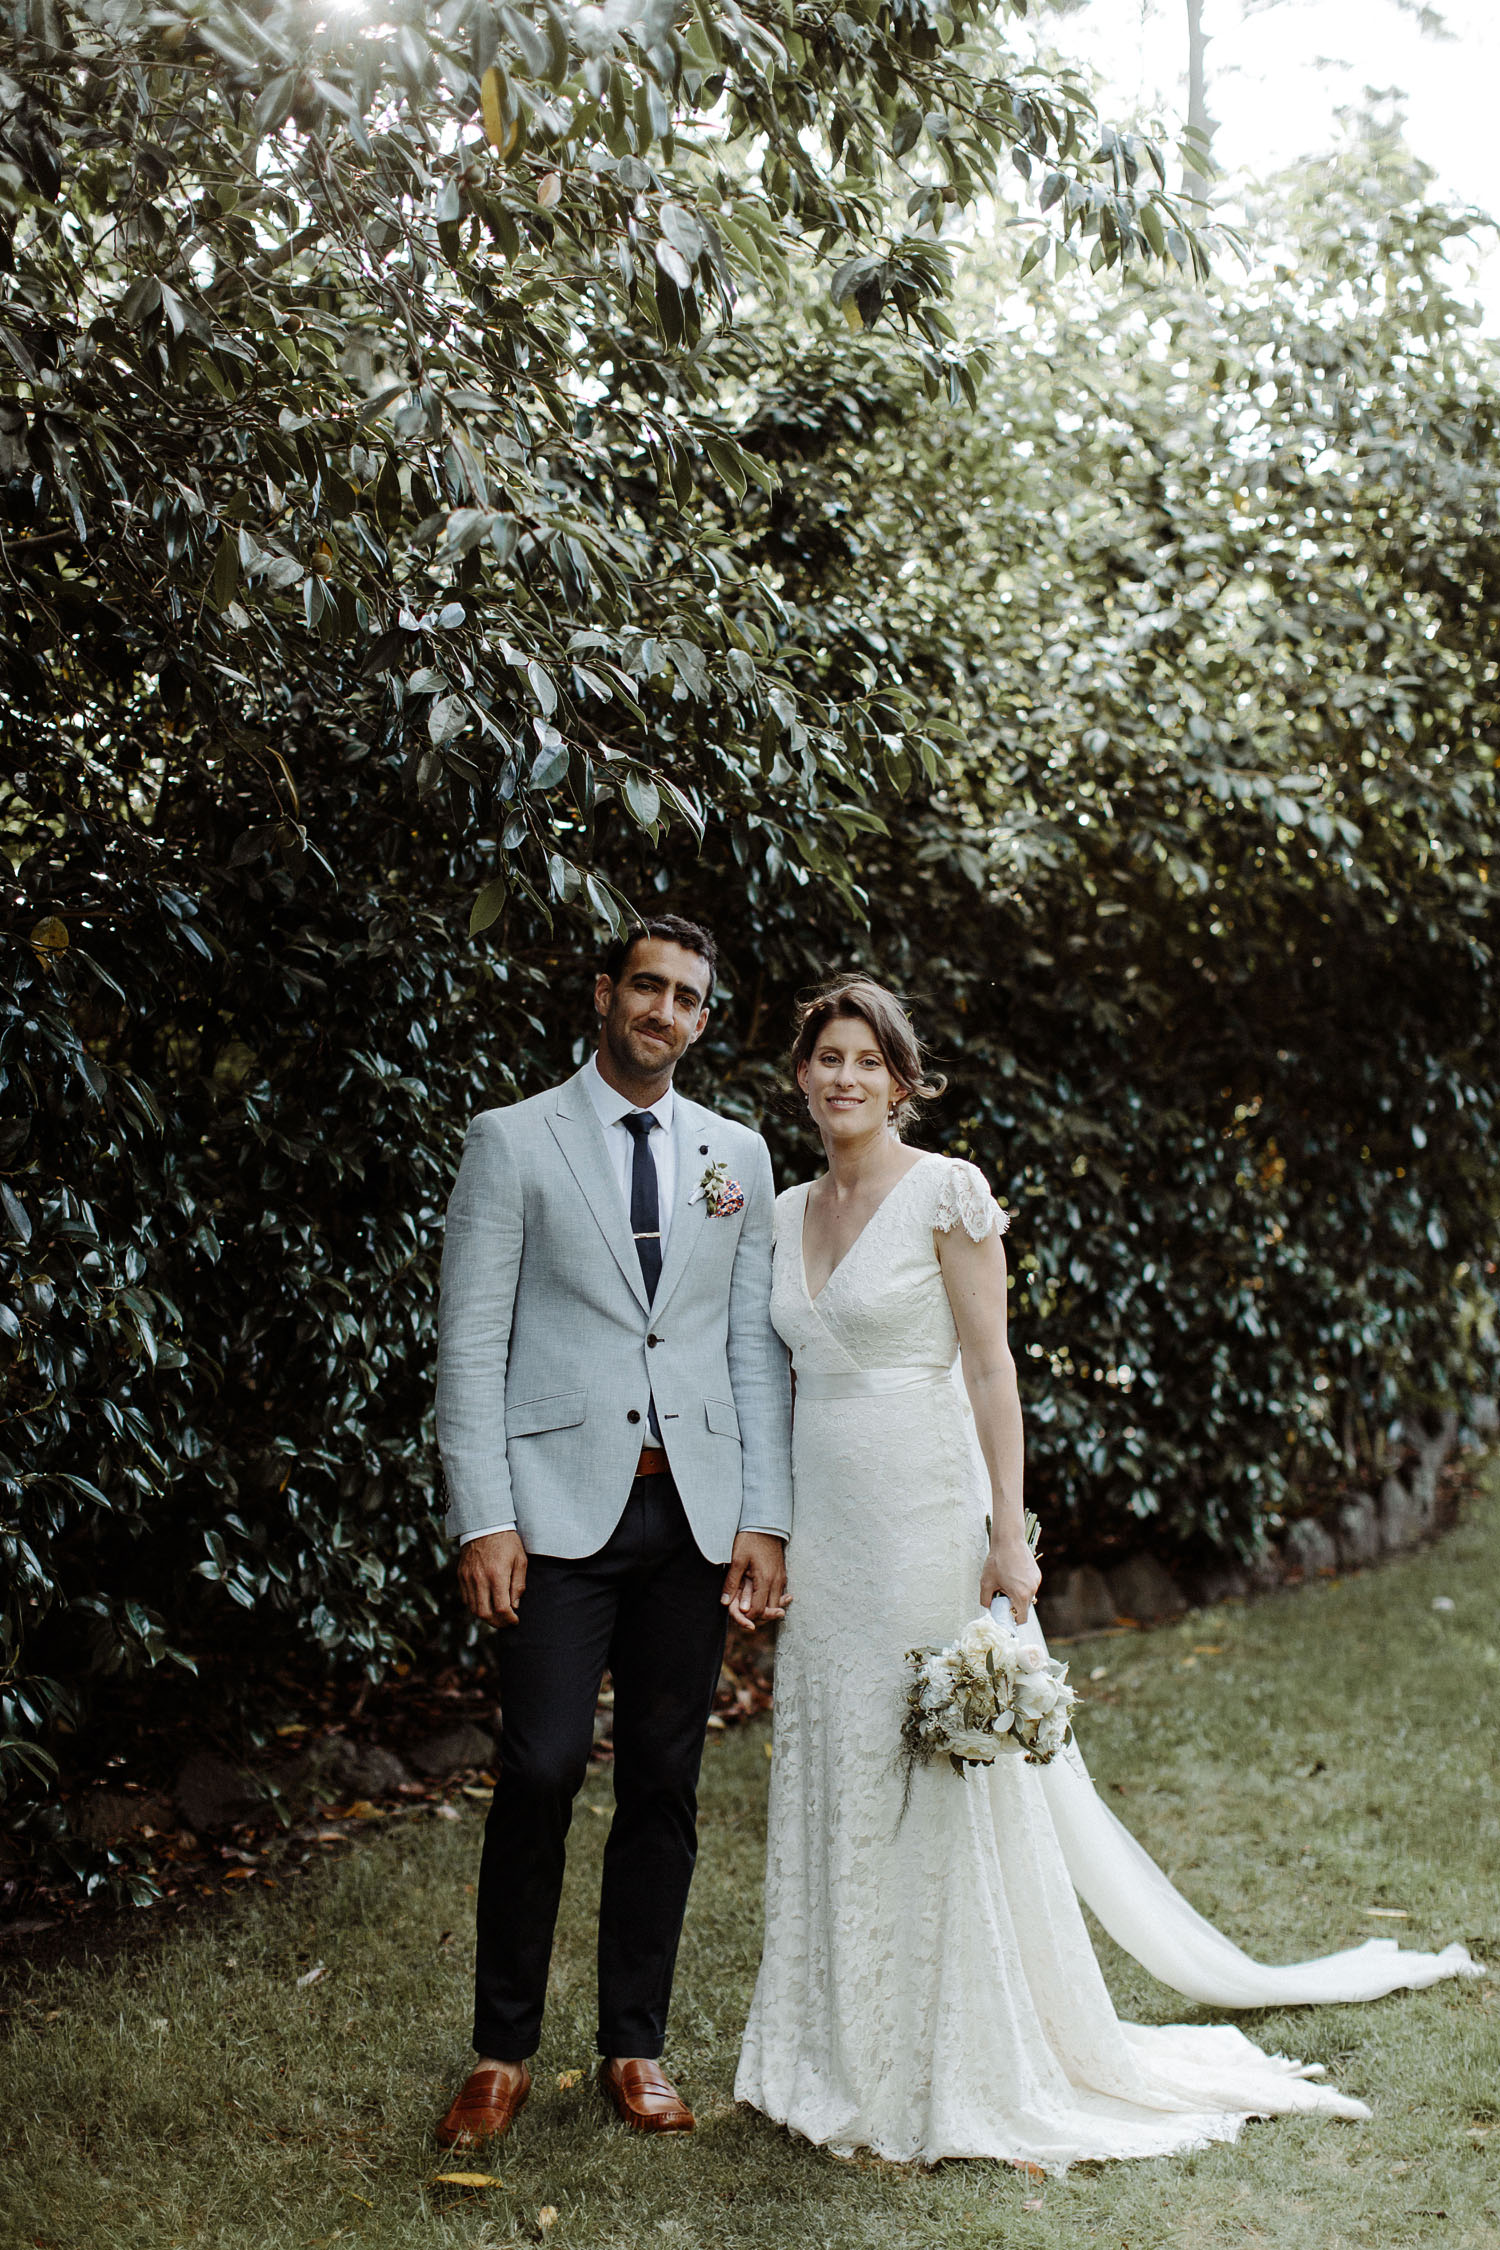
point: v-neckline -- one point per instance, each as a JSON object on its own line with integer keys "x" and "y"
{"x": 894, "y": 1189}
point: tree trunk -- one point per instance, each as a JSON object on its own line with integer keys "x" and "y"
{"x": 1200, "y": 124}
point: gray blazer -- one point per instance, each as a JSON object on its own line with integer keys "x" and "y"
{"x": 545, "y": 1335}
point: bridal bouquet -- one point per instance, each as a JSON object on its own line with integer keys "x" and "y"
{"x": 985, "y": 1696}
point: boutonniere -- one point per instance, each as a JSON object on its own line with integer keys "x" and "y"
{"x": 721, "y": 1195}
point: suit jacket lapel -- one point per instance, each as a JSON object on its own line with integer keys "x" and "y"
{"x": 579, "y": 1134}
{"x": 690, "y": 1127}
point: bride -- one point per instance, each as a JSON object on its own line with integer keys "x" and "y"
{"x": 928, "y": 1988}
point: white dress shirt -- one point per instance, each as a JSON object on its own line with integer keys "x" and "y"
{"x": 613, "y": 1109}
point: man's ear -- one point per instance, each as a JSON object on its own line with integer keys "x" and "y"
{"x": 700, "y": 1027}
{"x": 604, "y": 992}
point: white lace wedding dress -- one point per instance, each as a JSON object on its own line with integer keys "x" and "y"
{"x": 928, "y": 1988}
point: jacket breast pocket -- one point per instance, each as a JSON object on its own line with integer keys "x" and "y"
{"x": 721, "y": 1418}
{"x": 539, "y": 1414}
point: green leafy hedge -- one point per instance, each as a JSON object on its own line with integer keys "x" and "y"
{"x": 370, "y": 453}
{"x": 1137, "y": 718}
{"x": 1202, "y": 911}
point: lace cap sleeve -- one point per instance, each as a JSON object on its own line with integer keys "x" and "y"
{"x": 964, "y": 1199}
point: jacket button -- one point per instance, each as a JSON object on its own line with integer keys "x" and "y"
{"x": 653, "y": 1341}
{"x": 632, "y": 1416}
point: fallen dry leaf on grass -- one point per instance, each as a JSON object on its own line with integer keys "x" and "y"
{"x": 568, "y": 2079}
{"x": 1034, "y": 2203}
{"x": 313, "y": 1976}
{"x": 467, "y": 2179}
{"x": 546, "y": 2217}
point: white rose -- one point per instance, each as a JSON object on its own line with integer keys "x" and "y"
{"x": 1036, "y": 1694}
{"x": 979, "y": 1640}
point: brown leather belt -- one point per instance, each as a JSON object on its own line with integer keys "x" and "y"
{"x": 652, "y": 1463}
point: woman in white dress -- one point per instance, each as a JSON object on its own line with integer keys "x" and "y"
{"x": 928, "y": 1988}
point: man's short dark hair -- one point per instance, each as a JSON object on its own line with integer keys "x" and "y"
{"x": 691, "y": 936}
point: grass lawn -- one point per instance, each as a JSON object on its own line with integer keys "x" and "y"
{"x": 1291, "y": 1764}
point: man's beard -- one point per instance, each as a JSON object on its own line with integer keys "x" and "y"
{"x": 632, "y": 1062}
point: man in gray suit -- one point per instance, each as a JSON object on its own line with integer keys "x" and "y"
{"x": 614, "y": 1421}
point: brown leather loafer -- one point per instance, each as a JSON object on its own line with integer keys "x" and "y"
{"x": 486, "y": 2106}
{"x": 645, "y": 2098}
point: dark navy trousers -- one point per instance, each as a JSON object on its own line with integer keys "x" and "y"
{"x": 646, "y": 1607}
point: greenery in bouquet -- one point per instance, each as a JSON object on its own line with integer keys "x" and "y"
{"x": 987, "y": 1694}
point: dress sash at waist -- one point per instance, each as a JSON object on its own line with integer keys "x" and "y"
{"x": 869, "y": 1382}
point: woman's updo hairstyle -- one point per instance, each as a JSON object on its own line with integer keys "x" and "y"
{"x": 861, "y": 999}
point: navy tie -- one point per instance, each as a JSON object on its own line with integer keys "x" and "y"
{"x": 645, "y": 1199}
{"x": 645, "y": 1214}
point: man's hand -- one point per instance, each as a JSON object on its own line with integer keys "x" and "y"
{"x": 492, "y": 1577}
{"x": 755, "y": 1582}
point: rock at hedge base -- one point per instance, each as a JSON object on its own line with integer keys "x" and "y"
{"x": 1222, "y": 1582}
{"x": 1403, "y": 1519}
{"x": 1142, "y": 1589}
{"x": 1359, "y": 1538}
{"x": 1081, "y": 1602}
{"x": 105, "y": 1816}
{"x": 1310, "y": 1547}
{"x": 210, "y": 1793}
{"x": 451, "y": 1751}
{"x": 355, "y": 1769}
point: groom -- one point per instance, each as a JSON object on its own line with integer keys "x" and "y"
{"x": 613, "y": 1417}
